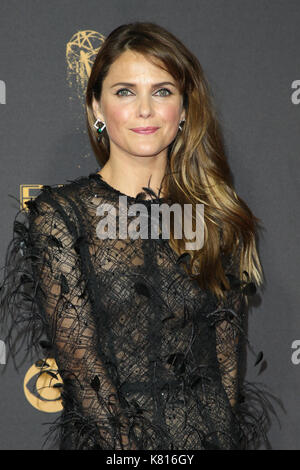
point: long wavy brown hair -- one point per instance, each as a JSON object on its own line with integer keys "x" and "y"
{"x": 197, "y": 170}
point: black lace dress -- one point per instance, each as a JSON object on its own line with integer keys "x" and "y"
{"x": 148, "y": 360}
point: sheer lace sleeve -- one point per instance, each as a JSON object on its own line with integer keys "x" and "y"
{"x": 250, "y": 401}
{"x": 228, "y": 330}
{"x": 92, "y": 417}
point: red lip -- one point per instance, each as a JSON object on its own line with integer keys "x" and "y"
{"x": 145, "y": 130}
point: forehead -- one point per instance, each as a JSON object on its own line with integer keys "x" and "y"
{"x": 131, "y": 65}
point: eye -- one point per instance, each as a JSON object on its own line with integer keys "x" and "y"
{"x": 166, "y": 89}
{"x": 118, "y": 93}
{"x": 122, "y": 89}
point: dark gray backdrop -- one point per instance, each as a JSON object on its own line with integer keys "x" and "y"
{"x": 249, "y": 50}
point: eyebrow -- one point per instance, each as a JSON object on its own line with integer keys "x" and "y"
{"x": 133, "y": 84}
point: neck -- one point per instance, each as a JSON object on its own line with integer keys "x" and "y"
{"x": 131, "y": 178}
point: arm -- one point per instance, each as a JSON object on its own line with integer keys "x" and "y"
{"x": 228, "y": 329}
{"x": 227, "y": 347}
{"x": 90, "y": 399}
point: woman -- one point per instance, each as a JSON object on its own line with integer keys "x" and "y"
{"x": 147, "y": 335}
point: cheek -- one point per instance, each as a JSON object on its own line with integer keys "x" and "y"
{"x": 170, "y": 114}
{"x": 118, "y": 115}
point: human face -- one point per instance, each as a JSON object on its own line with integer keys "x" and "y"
{"x": 142, "y": 104}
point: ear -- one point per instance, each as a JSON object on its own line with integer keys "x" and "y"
{"x": 97, "y": 109}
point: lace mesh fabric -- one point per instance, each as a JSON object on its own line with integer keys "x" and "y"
{"x": 148, "y": 359}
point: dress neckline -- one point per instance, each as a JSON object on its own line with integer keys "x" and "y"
{"x": 100, "y": 179}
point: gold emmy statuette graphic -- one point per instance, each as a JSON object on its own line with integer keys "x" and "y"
{"x": 43, "y": 379}
{"x": 81, "y": 51}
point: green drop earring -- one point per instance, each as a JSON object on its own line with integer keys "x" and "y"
{"x": 99, "y": 128}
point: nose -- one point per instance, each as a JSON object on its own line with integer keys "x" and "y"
{"x": 144, "y": 106}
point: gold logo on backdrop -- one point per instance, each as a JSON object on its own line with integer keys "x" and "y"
{"x": 30, "y": 191}
{"x": 43, "y": 386}
{"x": 81, "y": 52}
{"x": 27, "y": 192}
